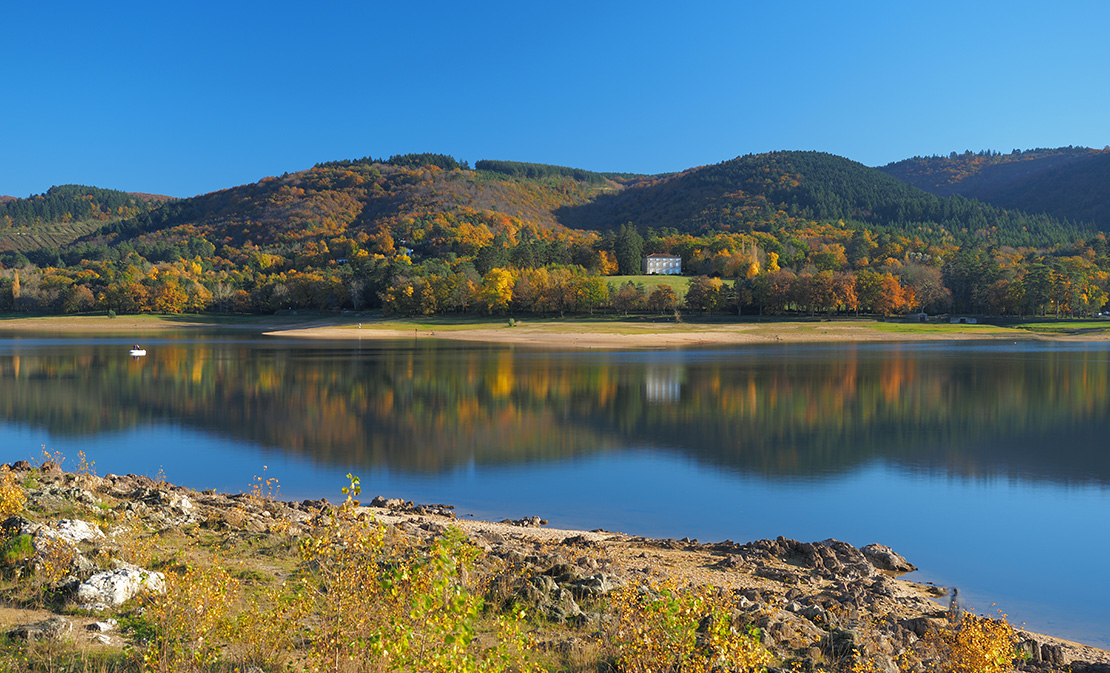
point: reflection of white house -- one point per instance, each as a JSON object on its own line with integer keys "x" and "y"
{"x": 662, "y": 263}
{"x": 663, "y": 384}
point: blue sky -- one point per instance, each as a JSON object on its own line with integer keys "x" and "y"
{"x": 191, "y": 97}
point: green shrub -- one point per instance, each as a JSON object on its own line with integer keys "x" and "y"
{"x": 17, "y": 548}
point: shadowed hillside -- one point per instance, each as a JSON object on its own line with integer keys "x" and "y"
{"x": 1068, "y": 183}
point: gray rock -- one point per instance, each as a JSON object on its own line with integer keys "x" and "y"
{"x": 594, "y": 585}
{"x": 73, "y": 531}
{"x": 923, "y": 626}
{"x": 526, "y": 522}
{"x": 828, "y": 558}
{"x": 561, "y": 606}
{"x": 788, "y": 630}
{"x": 51, "y": 629}
{"x": 885, "y": 558}
{"x": 387, "y": 503}
{"x": 115, "y": 587}
{"x": 840, "y": 642}
{"x": 51, "y": 468}
{"x": 104, "y": 626}
{"x": 54, "y": 497}
{"x": 177, "y": 503}
{"x": 819, "y": 616}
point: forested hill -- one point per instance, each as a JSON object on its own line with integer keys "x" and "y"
{"x": 73, "y": 203}
{"x": 64, "y": 213}
{"x": 426, "y": 233}
{"x": 788, "y": 189}
{"x": 430, "y": 203}
{"x": 1071, "y": 183}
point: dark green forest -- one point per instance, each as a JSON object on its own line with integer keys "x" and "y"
{"x": 1068, "y": 183}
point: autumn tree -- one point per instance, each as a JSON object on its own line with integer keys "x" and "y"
{"x": 704, "y": 294}
{"x": 629, "y": 297}
{"x": 772, "y": 291}
{"x": 890, "y": 297}
{"x": 496, "y": 290}
{"x": 662, "y": 299}
{"x": 77, "y": 298}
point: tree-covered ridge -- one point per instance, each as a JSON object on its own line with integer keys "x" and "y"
{"x": 1068, "y": 183}
{"x": 970, "y": 172}
{"x": 518, "y": 169}
{"x": 788, "y": 190}
{"x": 1079, "y": 192}
{"x": 73, "y": 203}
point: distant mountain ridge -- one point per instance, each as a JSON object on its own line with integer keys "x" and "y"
{"x": 1068, "y": 183}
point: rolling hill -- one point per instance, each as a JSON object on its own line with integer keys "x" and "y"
{"x": 1067, "y": 183}
{"x": 64, "y": 213}
{"x": 790, "y": 189}
{"x": 426, "y": 233}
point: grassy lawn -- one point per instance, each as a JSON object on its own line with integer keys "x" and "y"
{"x": 1065, "y": 326}
{"x": 676, "y": 283}
{"x": 938, "y": 328}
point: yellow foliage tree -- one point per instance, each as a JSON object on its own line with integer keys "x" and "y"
{"x": 497, "y": 290}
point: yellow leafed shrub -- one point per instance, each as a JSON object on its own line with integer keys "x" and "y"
{"x": 12, "y": 496}
{"x": 976, "y": 645}
{"x": 663, "y": 628}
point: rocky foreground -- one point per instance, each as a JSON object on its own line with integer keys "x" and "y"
{"x": 812, "y": 601}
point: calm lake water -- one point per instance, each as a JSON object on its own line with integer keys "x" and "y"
{"x": 986, "y": 465}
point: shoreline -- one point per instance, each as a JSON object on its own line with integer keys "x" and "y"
{"x": 579, "y": 334}
{"x": 794, "y": 591}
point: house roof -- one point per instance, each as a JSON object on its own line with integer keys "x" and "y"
{"x": 657, "y": 255}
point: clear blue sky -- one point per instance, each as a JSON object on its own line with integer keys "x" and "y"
{"x": 189, "y": 97}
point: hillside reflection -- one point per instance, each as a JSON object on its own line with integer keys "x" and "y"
{"x": 1032, "y": 412}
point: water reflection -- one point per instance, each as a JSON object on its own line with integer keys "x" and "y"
{"x": 1030, "y": 411}
{"x": 984, "y": 465}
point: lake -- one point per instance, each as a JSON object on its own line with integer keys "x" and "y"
{"x": 985, "y": 464}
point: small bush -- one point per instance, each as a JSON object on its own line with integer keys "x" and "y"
{"x": 663, "y": 628}
{"x": 17, "y": 548}
{"x": 12, "y": 496}
{"x": 187, "y": 623}
{"x": 976, "y": 645}
{"x": 380, "y": 601}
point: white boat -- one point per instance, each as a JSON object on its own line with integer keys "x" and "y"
{"x": 136, "y": 351}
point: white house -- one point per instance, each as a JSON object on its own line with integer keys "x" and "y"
{"x": 662, "y": 263}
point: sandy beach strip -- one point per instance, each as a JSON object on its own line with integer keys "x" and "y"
{"x": 553, "y": 333}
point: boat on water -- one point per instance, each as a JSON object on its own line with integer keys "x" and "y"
{"x": 137, "y": 351}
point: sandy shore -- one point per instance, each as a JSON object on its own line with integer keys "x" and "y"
{"x": 631, "y": 335}
{"x": 577, "y": 334}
